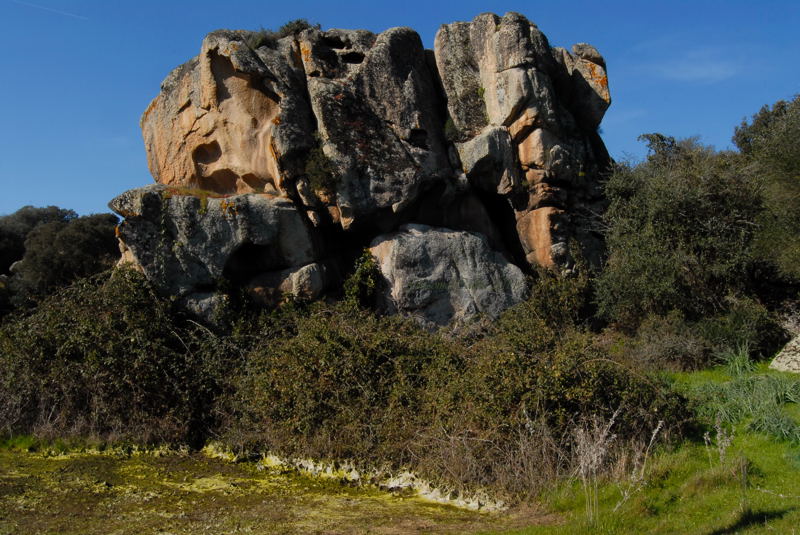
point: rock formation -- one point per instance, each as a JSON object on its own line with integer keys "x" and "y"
{"x": 788, "y": 359}
{"x": 460, "y": 167}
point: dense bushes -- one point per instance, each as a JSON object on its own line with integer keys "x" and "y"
{"x": 104, "y": 358}
{"x": 56, "y": 253}
{"x": 769, "y": 144}
{"x": 680, "y": 233}
{"x": 14, "y": 228}
{"x": 51, "y": 247}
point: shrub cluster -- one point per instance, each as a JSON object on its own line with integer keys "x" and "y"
{"x": 107, "y": 358}
{"x": 269, "y": 38}
{"x": 49, "y": 248}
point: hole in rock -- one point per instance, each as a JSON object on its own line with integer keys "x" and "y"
{"x": 502, "y": 215}
{"x": 419, "y": 138}
{"x": 256, "y": 183}
{"x": 334, "y": 41}
{"x": 249, "y": 260}
{"x": 353, "y": 57}
{"x": 220, "y": 181}
{"x": 206, "y": 154}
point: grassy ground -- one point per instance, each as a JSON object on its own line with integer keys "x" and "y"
{"x": 736, "y": 480}
{"x": 173, "y": 493}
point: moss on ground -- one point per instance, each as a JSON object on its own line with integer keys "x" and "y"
{"x": 115, "y": 492}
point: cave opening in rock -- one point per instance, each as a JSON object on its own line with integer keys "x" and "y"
{"x": 249, "y": 260}
{"x": 501, "y": 212}
{"x": 353, "y": 58}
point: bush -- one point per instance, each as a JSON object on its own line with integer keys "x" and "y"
{"x": 104, "y": 358}
{"x": 362, "y": 286}
{"x": 320, "y": 171}
{"x": 746, "y": 323}
{"x": 343, "y": 384}
{"x": 269, "y": 38}
{"x": 769, "y": 142}
{"x": 58, "y": 252}
{"x": 668, "y": 343}
{"x": 680, "y": 233}
{"x": 14, "y": 228}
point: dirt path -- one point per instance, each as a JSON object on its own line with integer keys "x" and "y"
{"x": 176, "y": 494}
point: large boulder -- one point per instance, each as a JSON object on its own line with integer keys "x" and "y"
{"x": 444, "y": 276}
{"x": 232, "y": 119}
{"x": 788, "y": 360}
{"x": 187, "y": 243}
{"x": 379, "y": 117}
{"x": 278, "y": 158}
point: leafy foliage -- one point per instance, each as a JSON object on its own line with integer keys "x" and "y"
{"x": 58, "y": 252}
{"x": 769, "y": 142}
{"x": 361, "y": 288}
{"x": 269, "y": 38}
{"x": 681, "y": 229}
{"x": 104, "y": 358}
{"x": 320, "y": 171}
{"x": 14, "y": 228}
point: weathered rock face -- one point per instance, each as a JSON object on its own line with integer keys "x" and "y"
{"x": 444, "y": 276}
{"x": 279, "y": 160}
{"x": 788, "y": 360}
{"x": 230, "y": 120}
{"x": 526, "y": 117}
{"x": 187, "y": 244}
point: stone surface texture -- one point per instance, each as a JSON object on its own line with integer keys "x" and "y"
{"x": 276, "y": 161}
{"x": 443, "y": 276}
{"x": 788, "y": 360}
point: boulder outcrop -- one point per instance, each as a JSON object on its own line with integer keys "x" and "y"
{"x": 464, "y": 167}
{"x": 788, "y": 359}
{"x": 442, "y": 276}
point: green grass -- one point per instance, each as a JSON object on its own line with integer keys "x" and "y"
{"x": 751, "y": 486}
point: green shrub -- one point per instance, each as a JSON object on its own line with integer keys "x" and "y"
{"x": 104, "y": 358}
{"x": 769, "y": 142}
{"x": 14, "y": 228}
{"x": 680, "y": 236}
{"x": 59, "y": 252}
{"x": 320, "y": 171}
{"x": 345, "y": 384}
{"x": 269, "y": 38}
{"x": 361, "y": 287}
{"x": 745, "y": 323}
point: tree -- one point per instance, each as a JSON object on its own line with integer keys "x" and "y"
{"x": 14, "y": 228}
{"x": 680, "y": 231}
{"x": 769, "y": 142}
{"x": 58, "y": 252}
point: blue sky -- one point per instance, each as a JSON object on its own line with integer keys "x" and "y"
{"x": 75, "y": 75}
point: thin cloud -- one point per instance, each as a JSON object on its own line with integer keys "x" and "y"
{"x": 667, "y": 58}
{"x": 50, "y": 9}
{"x": 701, "y": 66}
{"x": 616, "y": 116}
